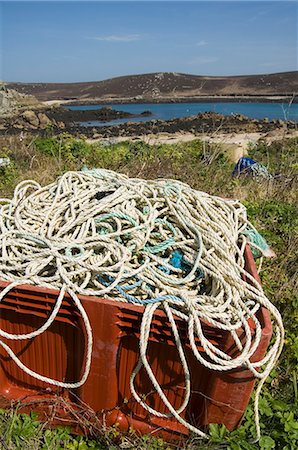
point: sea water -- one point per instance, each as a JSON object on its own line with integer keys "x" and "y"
{"x": 167, "y": 111}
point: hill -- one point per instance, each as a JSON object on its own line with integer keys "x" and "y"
{"x": 165, "y": 86}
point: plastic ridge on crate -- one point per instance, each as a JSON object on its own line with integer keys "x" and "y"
{"x": 59, "y": 353}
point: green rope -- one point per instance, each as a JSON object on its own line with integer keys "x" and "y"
{"x": 165, "y": 244}
{"x": 257, "y": 242}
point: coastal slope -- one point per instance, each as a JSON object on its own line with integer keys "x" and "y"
{"x": 165, "y": 86}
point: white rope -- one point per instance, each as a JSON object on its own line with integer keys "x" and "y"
{"x": 159, "y": 244}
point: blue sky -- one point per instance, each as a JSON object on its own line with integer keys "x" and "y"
{"x": 85, "y": 41}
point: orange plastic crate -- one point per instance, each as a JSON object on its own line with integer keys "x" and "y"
{"x": 60, "y": 351}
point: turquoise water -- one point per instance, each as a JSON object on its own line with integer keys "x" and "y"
{"x": 167, "y": 111}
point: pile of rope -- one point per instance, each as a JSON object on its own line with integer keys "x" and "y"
{"x": 159, "y": 244}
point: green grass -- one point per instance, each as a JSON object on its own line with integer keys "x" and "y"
{"x": 272, "y": 207}
{"x": 25, "y": 432}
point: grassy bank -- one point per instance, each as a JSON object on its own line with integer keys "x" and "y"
{"x": 272, "y": 207}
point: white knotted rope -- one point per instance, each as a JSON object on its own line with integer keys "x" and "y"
{"x": 102, "y": 234}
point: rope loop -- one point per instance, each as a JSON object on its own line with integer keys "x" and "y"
{"x": 157, "y": 244}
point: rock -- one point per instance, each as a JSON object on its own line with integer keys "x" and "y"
{"x": 44, "y": 121}
{"x": 31, "y": 118}
{"x": 12, "y": 101}
{"x": 240, "y": 117}
{"x": 61, "y": 124}
{"x": 4, "y": 102}
{"x": 281, "y": 123}
{"x": 272, "y": 133}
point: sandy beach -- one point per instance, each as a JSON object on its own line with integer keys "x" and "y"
{"x": 235, "y": 144}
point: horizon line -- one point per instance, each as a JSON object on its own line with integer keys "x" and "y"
{"x": 150, "y": 73}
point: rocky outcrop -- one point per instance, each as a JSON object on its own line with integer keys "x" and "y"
{"x": 21, "y": 111}
{"x": 105, "y": 114}
{"x": 30, "y": 118}
{"x": 44, "y": 120}
{"x": 201, "y": 124}
{"x": 11, "y": 101}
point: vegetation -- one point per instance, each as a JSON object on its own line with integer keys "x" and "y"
{"x": 272, "y": 207}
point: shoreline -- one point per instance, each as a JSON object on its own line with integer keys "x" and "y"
{"x": 235, "y": 138}
{"x": 172, "y": 100}
{"x": 202, "y": 123}
{"x": 235, "y": 145}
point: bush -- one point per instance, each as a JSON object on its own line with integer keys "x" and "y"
{"x": 63, "y": 146}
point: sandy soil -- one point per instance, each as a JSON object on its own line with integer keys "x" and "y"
{"x": 55, "y": 102}
{"x": 236, "y": 144}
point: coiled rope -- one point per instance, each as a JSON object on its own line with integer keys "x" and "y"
{"x": 157, "y": 243}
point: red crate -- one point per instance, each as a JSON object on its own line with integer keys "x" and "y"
{"x": 60, "y": 351}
